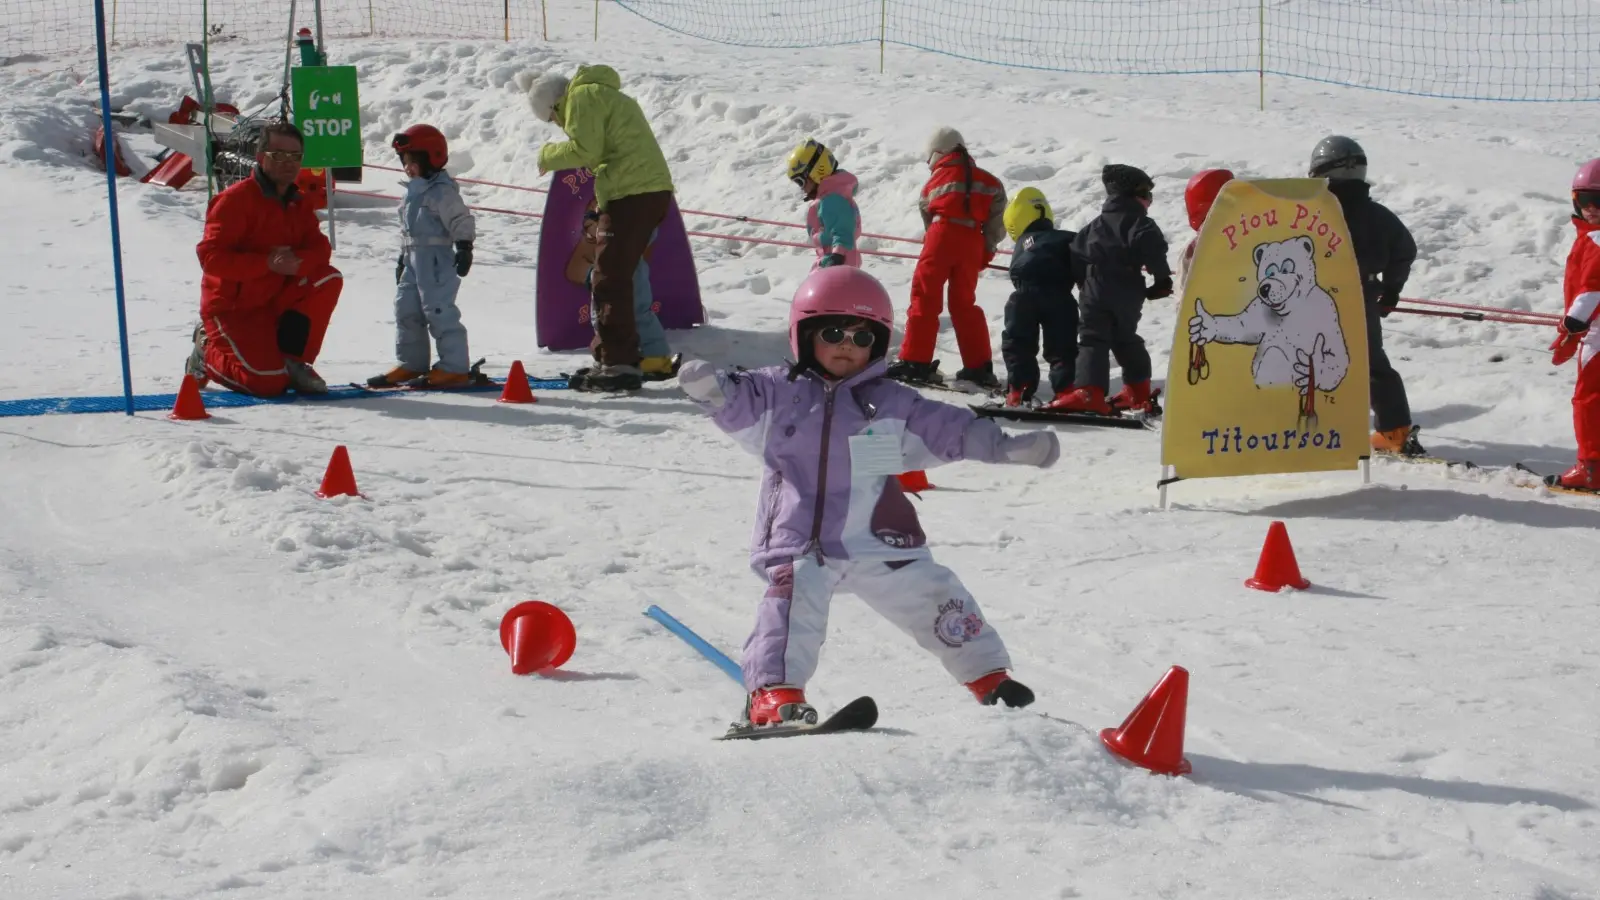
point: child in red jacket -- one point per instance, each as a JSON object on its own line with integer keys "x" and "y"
{"x": 1575, "y": 337}
{"x": 1198, "y": 196}
{"x": 963, "y": 209}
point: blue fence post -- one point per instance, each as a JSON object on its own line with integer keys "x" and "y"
{"x": 111, "y": 198}
{"x": 717, "y": 657}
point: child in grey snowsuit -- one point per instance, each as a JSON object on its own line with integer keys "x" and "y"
{"x": 438, "y": 231}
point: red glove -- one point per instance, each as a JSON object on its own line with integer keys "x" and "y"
{"x": 1570, "y": 335}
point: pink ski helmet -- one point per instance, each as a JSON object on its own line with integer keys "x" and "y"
{"x": 1586, "y": 181}
{"x": 1588, "y": 177}
{"x": 841, "y": 291}
{"x": 1202, "y": 191}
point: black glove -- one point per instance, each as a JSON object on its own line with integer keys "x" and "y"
{"x": 1569, "y": 325}
{"x": 1387, "y": 301}
{"x": 832, "y": 259}
{"x": 399, "y": 267}
{"x": 463, "y": 258}
{"x": 1162, "y": 288}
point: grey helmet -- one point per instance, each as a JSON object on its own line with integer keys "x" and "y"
{"x": 1338, "y": 157}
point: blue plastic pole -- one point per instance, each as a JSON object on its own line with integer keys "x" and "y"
{"x": 717, "y": 657}
{"x": 111, "y": 199}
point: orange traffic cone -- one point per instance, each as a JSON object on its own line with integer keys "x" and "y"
{"x": 189, "y": 405}
{"x": 339, "y": 479}
{"x": 914, "y": 482}
{"x": 1277, "y": 568}
{"x": 537, "y": 636}
{"x": 1152, "y": 735}
{"x": 516, "y": 389}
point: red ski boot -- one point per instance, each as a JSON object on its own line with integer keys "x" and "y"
{"x": 1133, "y": 397}
{"x": 1089, "y": 399}
{"x": 1584, "y": 476}
{"x": 776, "y": 704}
{"x": 999, "y": 687}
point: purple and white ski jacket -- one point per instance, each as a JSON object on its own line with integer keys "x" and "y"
{"x": 811, "y": 501}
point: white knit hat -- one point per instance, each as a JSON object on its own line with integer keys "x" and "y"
{"x": 944, "y": 140}
{"x": 544, "y": 92}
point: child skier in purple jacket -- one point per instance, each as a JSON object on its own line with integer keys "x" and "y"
{"x": 832, "y": 432}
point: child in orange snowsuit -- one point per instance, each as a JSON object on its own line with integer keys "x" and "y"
{"x": 963, "y": 209}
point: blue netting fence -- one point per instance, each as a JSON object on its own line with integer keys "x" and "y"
{"x": 1527, "y": 50}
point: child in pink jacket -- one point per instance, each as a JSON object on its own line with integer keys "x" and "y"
{"x": 832, "y": 219}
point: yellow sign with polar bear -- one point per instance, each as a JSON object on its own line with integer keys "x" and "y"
{"x": 1269, "y": 360}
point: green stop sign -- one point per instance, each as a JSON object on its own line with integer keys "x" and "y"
{"x": 327, "y": 110}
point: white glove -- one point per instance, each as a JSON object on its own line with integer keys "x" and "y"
{"x": 698, "y": 379}
{"x": 1033, "y": 448}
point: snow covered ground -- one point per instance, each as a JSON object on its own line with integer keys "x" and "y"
{"x": 214, "y": 684}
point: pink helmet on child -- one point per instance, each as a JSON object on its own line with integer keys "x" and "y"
{"x": 1586, "y": 181}
{"x": 1588, "y": 177}
{"x": 842, "y": 291}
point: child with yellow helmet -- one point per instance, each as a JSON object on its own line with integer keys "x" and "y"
{"x": 832, "y": 219}
{"x": 1041, "y": 301}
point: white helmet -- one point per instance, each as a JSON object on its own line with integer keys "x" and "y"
{"x": 943, "y": 141}
{"x": 544, "y": 92}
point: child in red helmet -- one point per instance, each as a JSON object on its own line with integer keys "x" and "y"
{"x": 437, "y": 231}
{"x": 1575, "y": 337}
{"x": 1198, "y": 196}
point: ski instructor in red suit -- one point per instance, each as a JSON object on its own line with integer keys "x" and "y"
{"x": 963, "y": 209}
{"x": 268, "y": 289}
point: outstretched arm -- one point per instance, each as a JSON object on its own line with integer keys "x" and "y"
{"x": 740, "y": 403}
{"x": 938, "y": 433}
{"x": 1248, "y": 327}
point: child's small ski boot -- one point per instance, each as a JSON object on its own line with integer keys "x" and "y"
{"x": 999, "y": 687}
{"x": 779, "y": 704}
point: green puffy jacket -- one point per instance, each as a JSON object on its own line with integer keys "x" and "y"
{"x": 609, "y": 136}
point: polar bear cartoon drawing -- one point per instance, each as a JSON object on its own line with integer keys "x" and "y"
{"x": 1291, "y": 320}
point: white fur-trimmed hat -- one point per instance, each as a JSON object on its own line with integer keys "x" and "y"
{"x": 943, "y": 140}
{"x": 544, "y": 92}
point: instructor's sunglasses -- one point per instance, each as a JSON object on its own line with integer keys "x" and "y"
{"x": 836, "y": 335}
{"x": 284, "y": 155}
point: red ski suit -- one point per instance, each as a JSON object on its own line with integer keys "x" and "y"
{"x": 1582, "y": 295}
{"x": 963, "y": 209}
{"x": 253, "y": 316}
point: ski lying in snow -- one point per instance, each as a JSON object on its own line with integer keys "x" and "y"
{"x": 477, "y": 382}
{"x": 956, "y": 387}
{"x": 1040, "y": 414}
{"x": 1548, "y": 482}
{"x": 859, "y": 714}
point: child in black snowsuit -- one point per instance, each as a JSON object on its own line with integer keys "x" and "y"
{"x": 1114, "y": 251}
{"x": 1042, "y": 276}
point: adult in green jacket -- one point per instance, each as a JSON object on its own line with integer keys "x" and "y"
{"x": 607, "y": 134}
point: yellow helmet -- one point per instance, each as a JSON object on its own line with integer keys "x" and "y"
{"x": 811, "y": 162}
{"x": 1027, "y": 207}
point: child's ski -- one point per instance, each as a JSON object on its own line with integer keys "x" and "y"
{"x": 957, "y": 387}
{"x": 859, "y": 714}
{"x": 1024, "y": 414}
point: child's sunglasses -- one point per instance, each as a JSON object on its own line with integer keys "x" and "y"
{"x": 833, "y": 334}
{"x": 1586, "y": 198}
